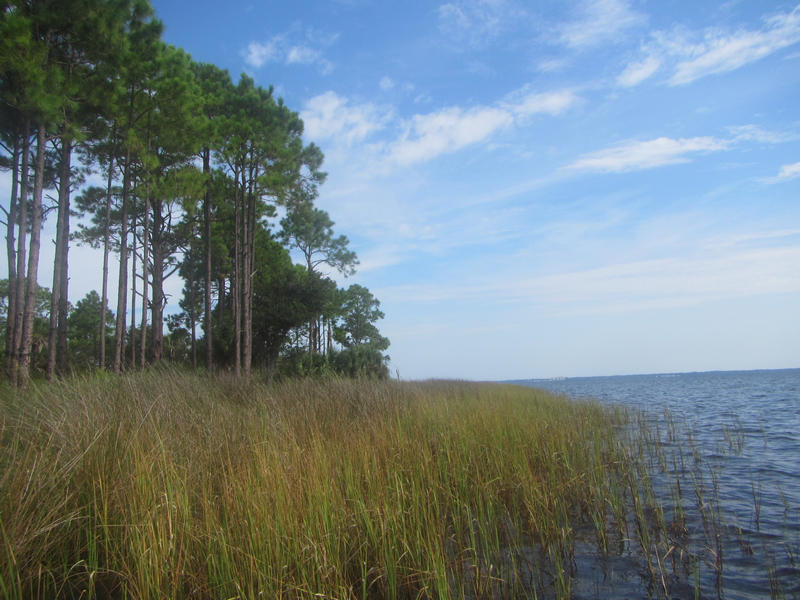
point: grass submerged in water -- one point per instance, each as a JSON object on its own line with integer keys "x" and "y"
{"x": 170, "y": 485}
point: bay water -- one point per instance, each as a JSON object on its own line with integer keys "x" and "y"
{"x": 731, "y": 441}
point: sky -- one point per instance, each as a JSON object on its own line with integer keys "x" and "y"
{"x": 543, "y": 189}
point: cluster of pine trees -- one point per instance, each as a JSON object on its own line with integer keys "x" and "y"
{"x": 195, "y": 166}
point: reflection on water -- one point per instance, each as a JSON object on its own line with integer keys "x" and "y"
{"x": 729, "y": 449}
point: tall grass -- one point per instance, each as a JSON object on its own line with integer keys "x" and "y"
{"x": 168, "y": 485}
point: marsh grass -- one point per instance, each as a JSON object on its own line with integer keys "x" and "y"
{"x": 169, "y": 485}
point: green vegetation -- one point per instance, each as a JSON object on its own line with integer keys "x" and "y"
{"x": 164, "y": 485}
{"x": 204, "y": 177}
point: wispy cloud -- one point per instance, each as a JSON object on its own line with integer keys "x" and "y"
{"x": 332, "y": 117}
{"x": 524, "y": 103}
{"x": 424, "y": 136}
{"x": 302, "y": 55}
{"x": 691, "y": 55}
{"x": 720, "y": 52}
{"x": 599, "y": 21}
{"x": 787, "y": 173}
{"x": 763, "y": 236}
{"x": 448, "y": 130}
{"x": 638, "y": 285}
{"x": 386, "y": 83}
{"x": 259, "y": 53}
{"x": 292, "y": 47}
{"x": 753, "y": 133}
{"x": 639, "y": 155}
{"x": 636, "y": 72}
{"x": 671, "y": 282}
{"x": 551, "y": 65}
{"x": 476, "y": 22}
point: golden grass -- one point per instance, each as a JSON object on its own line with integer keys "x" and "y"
{"x": 169, "y": 485}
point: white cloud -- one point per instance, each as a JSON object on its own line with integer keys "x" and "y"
{"x": 330, "y": 116}
{"x": 753, "y": 133}
{"x": 599, "y": 21}
{"x": 633, "y": 156}
{"x": 302, "y": 55}
{"x": 453, "y": 20}
{"x": 259, "y": 53}
{"x": 786, "y": 173}
{"x": 636, "y": 72}
{"x": 550, "y": 65}
{"x": 552, "y": 103}
{"x": 720, "y": 52}
{"x": 638, "y": 285}
{"x": 672, "y": 282}
{"x": 423, "y": 99}
{"x": 424, "y": 136}
{"x": 386, "y": 83}
{"x": 474, "y": 22}
{"x": 286, "y": 48}
{"x": 790, "y": 171}
{"x": 691, "y": 55}
{"x": 448, "y": 130}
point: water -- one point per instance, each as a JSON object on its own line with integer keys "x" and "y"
{"x": 737, "y": 436}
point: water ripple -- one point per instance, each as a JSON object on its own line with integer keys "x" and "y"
{"x": 743, "y": 430}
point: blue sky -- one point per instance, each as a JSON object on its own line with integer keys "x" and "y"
{"x": 552, "y": 188}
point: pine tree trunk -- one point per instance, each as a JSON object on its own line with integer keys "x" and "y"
{"x": 19, "y": 293}
{"x": 156, "y": 244}
{"x": 106, "y": 243}
{"x": 63, "y": 300}
{"x": 237, "y": 277}
{"x": 122, "y": 287}
{"x": 11, "y": 252}
{"x": 57, "y": 335}
{"x": 145, "y": 274}
{"x": 55, "y": 293}
{"x": 26, "y": 344}
{"x": 193, "y": 318}
{"x": 207, "y": 248}
{"x": 247, "y": 280}
{"x": 157, "y": 310}
{"x": 311, "y": 334}
{"x": 134, "y": 256}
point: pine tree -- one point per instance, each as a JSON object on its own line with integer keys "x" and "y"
{"x": 215, "y": 85}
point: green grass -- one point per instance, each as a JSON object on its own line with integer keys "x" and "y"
{"x": 168, "y": 485}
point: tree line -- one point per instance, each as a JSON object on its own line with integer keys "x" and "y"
{"x": 197, "y": 169}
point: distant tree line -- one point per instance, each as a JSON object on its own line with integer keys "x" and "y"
{"x": 195, "y": 165}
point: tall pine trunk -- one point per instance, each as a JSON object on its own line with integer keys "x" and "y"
{"x": 157, "y": 310}
{"x": 207, "y": 250}
{"x": 26, "y": 343}
{"x": 19, "y": 292}
{"x": 237, "y": 275}
{"x": 59, "y": 305}
{"x": 11, "y": 252}
{"x": 193, "y": 318}
{"x": 145, "y": 250}
{"x": 122, "y": 286}
{"x": 106, "y": 244}
{"x": 63, "y": 300}
{"x": 157, "y": 253}
{"x": 134, "y": 256}
{"x": 145, "y": 274}
{"x": 247, "y": 281}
